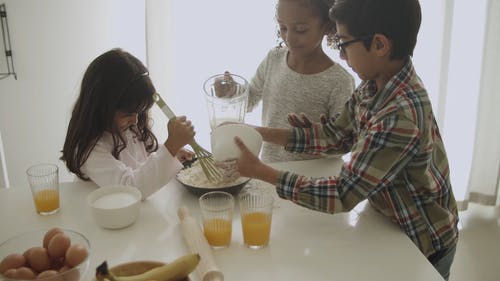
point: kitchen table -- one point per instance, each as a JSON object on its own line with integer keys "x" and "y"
{"x": 304, "y": 244}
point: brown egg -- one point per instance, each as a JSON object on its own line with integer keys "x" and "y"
{"x": 56, "y": 263}
{"x": 75, "y": 255}
{"x": 70, "y": 274}
{"x": 49, "y": 275}
{"x": 12, "y": 261}
{"x": 27, "y": 253}
{"x": 38, "y": 259}
{"x": 25, "y": 273}
{"x": 49, "y": 234}
{"x": 11, "y": 273}
{"x": 64, "y": 268}
{"x": 58, "y": 245}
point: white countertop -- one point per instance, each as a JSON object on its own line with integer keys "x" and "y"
{"x": 304, "y": 245}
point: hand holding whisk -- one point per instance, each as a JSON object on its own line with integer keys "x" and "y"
{"x": 205, "y": 157}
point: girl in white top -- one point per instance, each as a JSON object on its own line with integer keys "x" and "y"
{"x": 299, "y": 78}
{"x": 109, "y": 140}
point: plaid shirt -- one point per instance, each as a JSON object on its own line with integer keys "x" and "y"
{"x": 398, "y": 162}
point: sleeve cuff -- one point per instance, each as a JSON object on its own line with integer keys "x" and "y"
{"x": 286, "y": 185}
{"x": 292, "y": 140}
{"x": 172, "y": 161}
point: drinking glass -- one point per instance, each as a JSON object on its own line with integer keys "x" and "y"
{"x": 217, "y": 215}
{"x": 256, "y": 209}
{"x": 44, "y": 183}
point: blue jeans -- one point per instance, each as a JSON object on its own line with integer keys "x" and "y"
{"x": 442, "y": 261}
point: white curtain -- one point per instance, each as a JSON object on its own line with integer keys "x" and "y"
{"x": 467, "y": 96}
{"x": 456, "y": 56}
{"x": 484, "y": 181}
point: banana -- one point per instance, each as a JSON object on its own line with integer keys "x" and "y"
{"x": 176, "y": 270}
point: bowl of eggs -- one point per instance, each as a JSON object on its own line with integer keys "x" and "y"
{"x": 50, "y": 255}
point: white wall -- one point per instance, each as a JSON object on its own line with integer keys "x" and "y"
{"x": 189, "y": 45}
{"x": 53, "y": 41}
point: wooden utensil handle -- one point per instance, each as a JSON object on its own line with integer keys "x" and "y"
{"x": 164, "y": 107}
{"x": 197, "y": 243}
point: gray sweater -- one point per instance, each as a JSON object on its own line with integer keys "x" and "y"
{"x": 284, "y": 91}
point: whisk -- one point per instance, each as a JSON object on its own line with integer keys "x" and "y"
{"x": 205, "y": 157}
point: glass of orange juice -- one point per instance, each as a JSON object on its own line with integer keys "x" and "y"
{"x": 44, "y": 184}
{"x": 217, "y": 216}
{"x": 256, "y": 209}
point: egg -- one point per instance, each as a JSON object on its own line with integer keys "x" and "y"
{"x": 38, "y": 259}
{"x": 56, "y": 263}
{"x": 58, "y": 245}
{"x": 11, "y": 273}
{"x": 49, "y": 275}
{"x": 49, "y": 234}
{"x": 25, "y": 273}
{"x": 75, "y": 254}
{"x": 64, "y": 268}
{"x": 69, "y": 274}
{"x": 27, "y": 253}
{"x": 12, "y": 261}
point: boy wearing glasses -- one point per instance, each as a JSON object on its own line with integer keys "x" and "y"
{"x": 398, "y": 161}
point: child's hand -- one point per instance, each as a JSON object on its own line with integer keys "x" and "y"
{"x": 184, "y": 155}
{"x": 247, "y": 162}
{"x": 225, "y": 87}
{"x": 301, "y": 121}
{"x": 250, "y": 166}
{"x": 180, "y": 133}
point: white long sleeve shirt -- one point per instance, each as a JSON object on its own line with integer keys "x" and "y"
{"x": 135, "y": 167}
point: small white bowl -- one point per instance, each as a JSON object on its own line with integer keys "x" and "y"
{"x": 222, "y": 141}
{"x": 115, "y": 206}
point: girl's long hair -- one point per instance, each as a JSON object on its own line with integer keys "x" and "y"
{"x": 114, "y": 81}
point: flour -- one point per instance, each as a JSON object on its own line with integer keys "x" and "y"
{"x": 195, "y": 177}
{"x": 115, "y": 200}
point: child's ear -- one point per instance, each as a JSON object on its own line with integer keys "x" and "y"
{"x": 381, "y": 44}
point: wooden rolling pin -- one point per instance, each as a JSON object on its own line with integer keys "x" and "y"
{"x": 197, "y": 243}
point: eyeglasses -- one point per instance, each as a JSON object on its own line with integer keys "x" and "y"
{"x": 341, "y": 46}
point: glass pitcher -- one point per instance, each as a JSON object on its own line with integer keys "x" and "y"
{"x": 226, "y": 98}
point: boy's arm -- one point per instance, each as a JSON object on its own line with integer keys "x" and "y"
{"x": 376, "y": 160}
{"x": 250, "y": 166}
{"x": 274, "y": 135}
{"x": 333, "y": 135}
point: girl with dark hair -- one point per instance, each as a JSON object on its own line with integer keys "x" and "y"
{"x": 109, "y": 139}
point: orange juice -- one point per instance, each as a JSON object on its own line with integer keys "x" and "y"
{"x": 46, "y": 201}
{"x": 217, "y": 232}
{"x": 256, "y": 228}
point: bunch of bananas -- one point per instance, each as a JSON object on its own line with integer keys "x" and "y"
{"x": 178, "y": 269}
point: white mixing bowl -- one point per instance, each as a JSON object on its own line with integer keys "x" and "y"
{"x": 115, "y": 206}
{"x": 222, "y": 141}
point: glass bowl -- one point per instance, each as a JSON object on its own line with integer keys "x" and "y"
{"x": 21, "y": 243}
